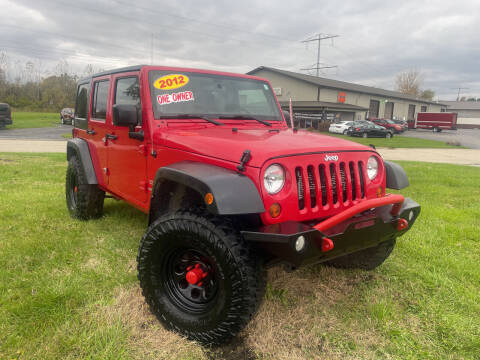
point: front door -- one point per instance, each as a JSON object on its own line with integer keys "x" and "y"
{"x": 411, "y": 112}
{"x": 127, "y": 160}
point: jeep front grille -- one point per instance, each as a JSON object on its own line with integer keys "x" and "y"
{"x": 329, "y": 184}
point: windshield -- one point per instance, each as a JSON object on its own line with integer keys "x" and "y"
{"x": 389, "y": 121}
{"x": 180, "y": 93}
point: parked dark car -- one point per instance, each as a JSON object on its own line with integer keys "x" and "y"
{"x": 366, "y": 129}
{"x": 5, "y": 115}
{"x": 66, "y": 116}
{"x": 402, "y": 123}
{"x": 388, "y": 124}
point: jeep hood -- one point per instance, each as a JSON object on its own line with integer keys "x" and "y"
{"x": 223, "y": 143}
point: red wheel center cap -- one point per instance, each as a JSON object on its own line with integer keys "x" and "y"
{"x": 195, "y": 275}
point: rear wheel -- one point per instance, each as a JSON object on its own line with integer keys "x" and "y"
{"x": 345, "y": 132}
{"x": 199, "y": 277}
{"x": 367, "y": 259}
{"x": 84, "y": 201}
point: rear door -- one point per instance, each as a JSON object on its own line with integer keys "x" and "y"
{"x": 98, "y": 122}
{"x": 127, "y": 158}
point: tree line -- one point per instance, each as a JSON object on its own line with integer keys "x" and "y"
{"x": 29, "y": 87}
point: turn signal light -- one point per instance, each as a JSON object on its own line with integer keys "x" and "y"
{"x": 275, "y": 210}
{"x": 209, "y": 198}
{"x": 379, "y": 192}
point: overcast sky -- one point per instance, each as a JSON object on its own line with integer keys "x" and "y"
{"x": 377, "y": 39}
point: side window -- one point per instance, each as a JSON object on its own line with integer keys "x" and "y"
{"x": 100, "y": 98}
{"x": 127, "y": 92}
{"x": 81, "y": 104}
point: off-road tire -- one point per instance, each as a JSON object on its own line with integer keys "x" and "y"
{"x": 240, "y": 276}
{"x": 367, "y": 259}
{"x": 84, "y": 201}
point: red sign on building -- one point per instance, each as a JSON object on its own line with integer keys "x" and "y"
{"x": 341, "y": 96}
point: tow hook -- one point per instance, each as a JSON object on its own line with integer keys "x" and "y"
{"x": 402, "y": 224}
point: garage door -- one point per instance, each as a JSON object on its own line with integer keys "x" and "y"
{"x": 374, "y": 106}
{"x": 388, "y": 114}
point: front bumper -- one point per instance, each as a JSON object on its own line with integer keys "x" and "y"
{"x": 6, "y": 120}
{"x": 364, "y": 225}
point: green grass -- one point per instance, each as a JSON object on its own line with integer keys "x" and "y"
{"x": 397, "y": 142}
{"x": 67, "y": 135}
{"x": 68, "y": 288}
{"x": 27, "y": 120}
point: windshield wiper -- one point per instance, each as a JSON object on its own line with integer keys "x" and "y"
{"x": 244, "y": 117}
{"x": 192, "y": 116}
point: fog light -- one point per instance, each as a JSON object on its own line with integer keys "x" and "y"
{"x": 275, "y": 210}
{"x": 410, "y": 215}
{"x": 300, "y": 243}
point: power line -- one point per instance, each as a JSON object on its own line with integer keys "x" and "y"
{"x": 209, "y": 23}
{"x": 319, "y": 38}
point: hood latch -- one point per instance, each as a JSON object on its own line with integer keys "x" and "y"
{"x": 243, "y": 160}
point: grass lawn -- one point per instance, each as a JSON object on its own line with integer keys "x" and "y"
{"x": 397, "y": 142}
{"x": 26, "y": 120}
{"x": 68, "y": 289}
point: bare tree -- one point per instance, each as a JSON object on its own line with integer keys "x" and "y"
{"x": 409, "y": 82}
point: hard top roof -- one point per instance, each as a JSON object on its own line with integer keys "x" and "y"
{"x": 160, "y": 67}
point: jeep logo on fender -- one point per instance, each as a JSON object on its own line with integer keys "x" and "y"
{"x": 331, "y": 157}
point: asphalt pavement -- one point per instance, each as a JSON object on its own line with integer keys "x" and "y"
{"x": 469, "y": 138}
{"x": 47, "y": 133}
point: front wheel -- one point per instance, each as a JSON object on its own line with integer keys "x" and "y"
{"x": 199, "y": 276}
{"x": 365, "y": 135}
{"x": 367, "y": 259}
{"x": 388, "y": 135}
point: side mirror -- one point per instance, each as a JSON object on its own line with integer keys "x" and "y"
{"x": 125, "y": 115}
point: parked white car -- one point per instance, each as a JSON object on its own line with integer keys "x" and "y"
{"x": 340, "y": 127}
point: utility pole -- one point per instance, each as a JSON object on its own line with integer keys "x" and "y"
{"x": 459, "y": 89}
{"x": 319, "y": 38}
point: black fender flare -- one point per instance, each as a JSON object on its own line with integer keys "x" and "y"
{"x": 79, "y": 147}
{"x": 233, "y": 193}
{"x": 396, "y": 177}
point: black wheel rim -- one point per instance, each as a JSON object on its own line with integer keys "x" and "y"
{"x": 196, "y": 297}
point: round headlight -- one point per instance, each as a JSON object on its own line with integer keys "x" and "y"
{"x": 372, "y": 167}
{"x": 274, "y": 179}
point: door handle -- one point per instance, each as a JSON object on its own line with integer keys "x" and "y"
{"x": 91, "y": 132}
{"x": 111, "y": 136}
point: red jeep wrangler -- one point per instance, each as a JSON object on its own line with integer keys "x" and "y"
{"x": 229, "y": 190}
